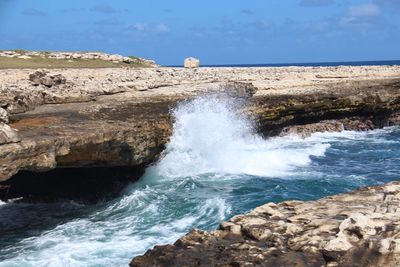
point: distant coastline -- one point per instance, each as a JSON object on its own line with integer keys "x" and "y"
{"x": 313, "y": 64}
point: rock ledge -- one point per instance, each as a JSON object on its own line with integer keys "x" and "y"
{"x": 360, "y": 228}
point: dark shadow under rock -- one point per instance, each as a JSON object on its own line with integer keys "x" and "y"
{"x": 84, "y": 184}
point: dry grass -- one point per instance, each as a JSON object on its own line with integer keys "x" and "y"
{"x": 49, "y": 63}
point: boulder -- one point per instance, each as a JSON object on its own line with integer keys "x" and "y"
{"x": 41, "y": 77}
{"x": 36, "y": 77}
{"x": 58, "y": 79}
{"x": 191, "y": 62}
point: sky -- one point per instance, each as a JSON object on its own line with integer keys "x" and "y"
{"x": 215, "y": 31}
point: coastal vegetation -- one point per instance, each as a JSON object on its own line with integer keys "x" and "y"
{"x": 22, "y": 59}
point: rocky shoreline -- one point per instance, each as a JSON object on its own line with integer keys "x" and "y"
{"x": 360, "y": 228}
{"x": 120, "y": 117}
{"x": 66, "y": 121}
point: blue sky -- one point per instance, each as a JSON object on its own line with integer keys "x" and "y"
{"x": 216, "y": 31}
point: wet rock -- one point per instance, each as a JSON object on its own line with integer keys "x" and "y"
{"x": 308, "y": 129}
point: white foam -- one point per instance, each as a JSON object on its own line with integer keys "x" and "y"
{"x": 209, "y": 137}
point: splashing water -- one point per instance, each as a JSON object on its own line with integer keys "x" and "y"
{"x": 214, "y": 167}
{"x": 209, "y": 137}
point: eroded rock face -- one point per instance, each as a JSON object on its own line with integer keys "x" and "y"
{"x": 120, "y": 117}
{"x": 120, "y": 132}
{"x": 355, "y": 229}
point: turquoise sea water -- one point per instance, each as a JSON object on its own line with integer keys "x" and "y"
{"x": 213, "y": 168}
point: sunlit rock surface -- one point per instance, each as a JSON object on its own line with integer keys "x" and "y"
{"x": 354, "y": 229}
{"x": 191, "y": 62}
{"x": 120, "y": 117}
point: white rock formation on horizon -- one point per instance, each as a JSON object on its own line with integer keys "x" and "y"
{"x": 191, "y": 62}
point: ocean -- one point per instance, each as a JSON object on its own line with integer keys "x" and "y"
{"x": 215, "y": 166}
{"x": 314, "y": 64}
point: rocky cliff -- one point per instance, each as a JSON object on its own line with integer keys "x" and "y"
{"x": 355, "y": 229}
{"x": 69, "y": 118}
{"x": 62, "y": 128}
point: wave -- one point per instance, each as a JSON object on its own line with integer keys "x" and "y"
{"x": 211, "y": 137}
{"x": 214, "y": 167}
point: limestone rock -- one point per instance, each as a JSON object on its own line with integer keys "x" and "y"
{"x": 98, "y": 110}
{"x": 78, "y": 55}
{"x": 42, "y": 77}
{"x": 239, "y": 89}
{"x": 308, "y": 129}
{"x": 36, "y": 77}
{"x": 8, "y": 134}
{"x": 353, "y": 229}
{"x": 191, "y": 62}
{"x": 24, "y": 57}
{"x": 3, "y": 115}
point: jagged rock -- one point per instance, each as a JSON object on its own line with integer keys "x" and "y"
{"x": 3, "y": 115}
{"x": 191, "y": 62}
{"x": 353, "y": 229}
{"x": 8, "y": 134}
{"x": 120, "y": 117}
{"x": 47, "y": 81}
{"x": 239, "y": 89}
{"x": 41, "y": 77}
{"x": 36, "y": 77}
{"x": 58, "y": 79}
{"x": 308, "y": 129}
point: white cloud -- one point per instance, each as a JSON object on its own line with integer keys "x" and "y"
{"x": 161, "y": 28}
{"x": 360, "y": 15}
{"x": 365, "y": 10}
{"x": 149, "y": 28}
{"x": 138, "y": 27}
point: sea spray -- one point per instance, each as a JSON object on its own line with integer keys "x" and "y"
{"x": 211, "y": 136}
{"x": 208, "y": 173}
